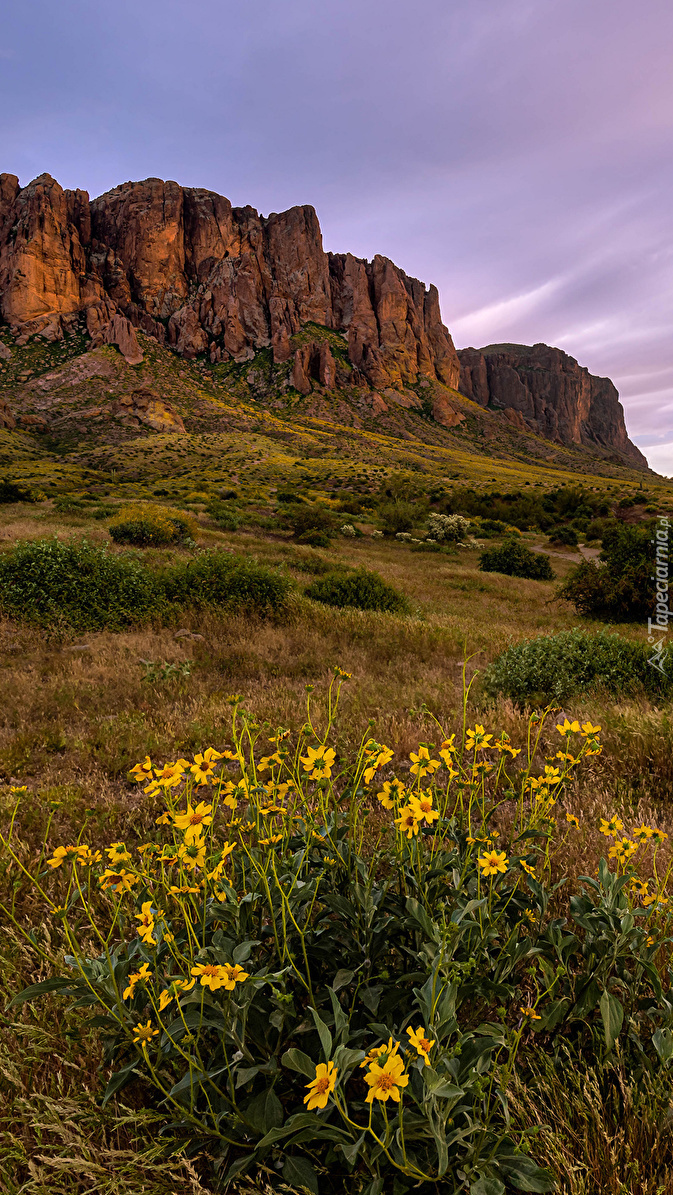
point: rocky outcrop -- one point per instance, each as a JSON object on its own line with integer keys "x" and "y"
{"x": 542, "y": 389}
{"x": 120, "y": 331}
{"x": 184, "y": 265}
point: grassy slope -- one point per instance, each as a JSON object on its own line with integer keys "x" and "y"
{"x": 74, "y": 721}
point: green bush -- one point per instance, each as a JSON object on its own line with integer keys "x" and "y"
{"x": 226, "y": 517}
{"x": 363, "y": 589}
{"x": 150, "y": 526}
{"x": 308, "y": 519}
{"x": 77, "y": 585}
{"x": 564, "y": 535}
{"x": 516, "y": 560}
{"x": 229, "y": 582}
{"x": 553, "y": 668}
{"x": 621, "y": 587}
{"x": 18, "y": 491}
{"x": 400, "y": 516}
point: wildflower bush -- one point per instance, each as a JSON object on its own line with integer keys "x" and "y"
{"x": 447, "y": 528}
{"x": 18, "y": 491}
{"x": 361, "y": 588}
{"x": 226, "y": 516}
{"x": 149, "y": 525}
{"x": 516, "y": 560}
{"x": 327, "y": 963}
{"x": 555, "y": 667}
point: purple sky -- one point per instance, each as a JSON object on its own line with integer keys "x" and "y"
{"x": 518, "y": 153}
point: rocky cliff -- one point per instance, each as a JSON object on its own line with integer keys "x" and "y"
{"x": 208, "y": 279}
{"x": 185, "y": 266}
{"x": 546, "y": 391}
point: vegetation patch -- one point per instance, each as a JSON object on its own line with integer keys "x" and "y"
{"x": 218, "y": 578}
{"x": 361, "y": 588}
{"x": 516, "y": 560}
{"x": 148, "y": 525}
{"x": 553, "y": 668}
{"x": 621, "y": 587}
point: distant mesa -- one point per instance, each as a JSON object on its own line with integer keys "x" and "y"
{"x": 203, "y": 277}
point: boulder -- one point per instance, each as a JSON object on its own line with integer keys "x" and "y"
{"x": 120, "y": 331}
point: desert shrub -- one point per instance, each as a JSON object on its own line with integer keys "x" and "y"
{"x": 399, "y": 516}
{"x": 147, "y": 525}
{"x": 447, "y": 528}
{"x": 348, "y": 1007}
{"x": 516, "y": 560}
{"x": 597, "y": 528}
{"x": 361, "y": 588}
{"x": 66, "y": 504}
{"x": 308, "y": 521}
{"x": 564, "y": 535}
{"x": 495, "y": 526}
{"x": 78, "y": 585}
{"x": 227, "y": 518}
{"x": 227, "y": 581}
{"x": 553, "y": 668}
{"x": 19, "y": 491}
{"x": 621, "y": 587}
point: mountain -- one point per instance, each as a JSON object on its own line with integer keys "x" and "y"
{"x": 277, "y": 320}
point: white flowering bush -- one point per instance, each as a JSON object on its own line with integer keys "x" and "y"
{"x": 445, "y": 528}
{"x": 348, "y": 529}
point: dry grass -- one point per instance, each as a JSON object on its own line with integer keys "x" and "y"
{"x": 74, "y": 722}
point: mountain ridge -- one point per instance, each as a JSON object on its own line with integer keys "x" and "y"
{"x": 226, "y": 285}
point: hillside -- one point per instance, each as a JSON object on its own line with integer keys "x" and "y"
{"x": 161, "y": 311}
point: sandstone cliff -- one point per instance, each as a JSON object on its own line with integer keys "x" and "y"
{"x": 206, "y": 278}
{"x": 185, "y": 266}
{"x": 544, "y": 389}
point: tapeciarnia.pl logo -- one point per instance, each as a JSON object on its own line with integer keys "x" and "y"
{"x": 657, "y": 626}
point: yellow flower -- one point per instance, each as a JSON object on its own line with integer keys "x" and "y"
{"x": 209, "y": 975}
{"x": 165, "y": 999}
{"x": 378, "y": 1051}
{"x": 143, "y": 1034}
{"x": 171, "y": 774}
{"x": 266, "y": 761}
{"x": 407, "y": 821}
{"x": 642, "y": 833}
{"x": 572, "y": 820}
{"x": 422, "y": 764}
{"x": 320, "y": 1088}
{"x": 216, "y": 873}
{"x": 527, "y": 867}
{"x": 343, "y": 675}
{"x": 66, "y": 854}
{"x": 385, "y": 1081}
{"x": 232, "y": 976}
{"x": 204, "y": 765}
{"x": 193, "y": 820}
{"x": 588, "y": 730}
{"x": 448, "y": 749}
{"x": 658, "y": 836}
{"x": 118, "y": 881}
{"x": 477, "y": 739}
{"x": 118, "y": 853}
{"x": 318, "y": 761}
{"x": 420, "y": 1042}
{"x": 192, "y": 854}
{"x": 377, "y": 756}
{"x": 146, "y": 927}
{"x": 142, "y": 771}
{"x": 229, "y": 799}
{"x": 164, "y": 819}
{"x": 551, "y": 775}
{"x": 504, "y": 743}
{"x": 176, "y": 989}
{"x": 144, "y": 975}
{"x": 530, "y": 1013}
{"x": 392, "y": 791}
{"x": 567, "y": 727}
{"x": 622, "y": 849}
{"x": 421, "y": 804}
{"x": 609, "y": 829}
{"x": 493, "y": 862}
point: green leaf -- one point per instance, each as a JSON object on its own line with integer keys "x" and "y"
{"x": 265, "y": 1112}
{"x": 350, "y": 1151}
{"x": 525, "y": 1174}
{"x": 345, "y": 1058}
{"x": 324, "y": 1035}
{"x": 419, "y": 914}
{"x": 662, "y": 1040}
{"x": 118, "y": 1080}
{"x": 39, "y": 989}
{"x": 370, "y": 998}
{"x": 342, "y": 979}
{"x": 300, "y": 1173}
{"x": 487, "y": 1186}
{"x": 613, "y": 1017}
{"x": 296, "y": 1060}
{"x": 244, "y": 1075}
{"x": 242, "y": 952}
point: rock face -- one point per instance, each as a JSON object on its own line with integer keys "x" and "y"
{"x": 184, "y": 265}
{"x": 546, "y": 391}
